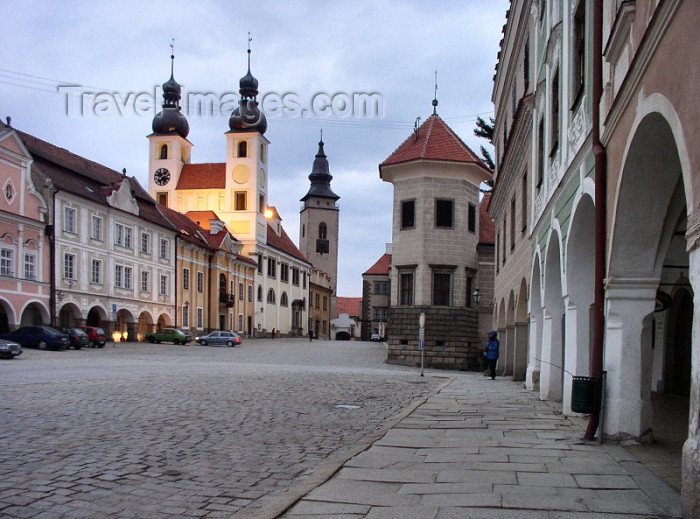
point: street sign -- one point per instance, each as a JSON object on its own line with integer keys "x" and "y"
{"x": 421, "y": 344}
{"x": 421, "y": 334}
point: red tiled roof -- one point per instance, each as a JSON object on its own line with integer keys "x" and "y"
{"x": 210, "y": 175}
{"x": 188, "y": 229}
{"x": 202, "y": 218}
{"x": 283, "y": 243}
{"x": 433, "y": 140}
{"x": 350, "y": 305}
{"x": 487, "y": 228}
{"x": 382, "y": 266}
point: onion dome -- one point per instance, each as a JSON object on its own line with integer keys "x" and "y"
{"x": 248, "y": 117}
{"x": 171, "y": 119}
{"x": 320, "y": 177}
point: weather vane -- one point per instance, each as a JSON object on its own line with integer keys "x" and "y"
{"x": 321, "y": 134}
{"x": 435, "y": 101}
{"x": 249, "y": 40}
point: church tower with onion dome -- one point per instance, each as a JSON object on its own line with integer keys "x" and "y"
{"x": 319, "y": 222}
{"x": 169, "y": 149}
{"x": 247, "y": 166}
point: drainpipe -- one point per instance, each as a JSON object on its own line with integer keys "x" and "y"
{"x": 600, "y": 213}
{"x": 51, "y": 233}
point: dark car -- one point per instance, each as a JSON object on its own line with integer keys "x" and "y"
{"x": 39, "y": 336}
{"x": 168, "y": 335}
{"x": 78, "y": 338}
{"x": 9, "y": 349}
{"x": 96, "y": 336}
{"x": 219, "y": 337}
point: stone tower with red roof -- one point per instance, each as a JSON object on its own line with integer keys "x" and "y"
{"x": 435, "y": 234}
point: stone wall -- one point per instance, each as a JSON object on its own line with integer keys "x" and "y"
{"x": 451, "y": 337}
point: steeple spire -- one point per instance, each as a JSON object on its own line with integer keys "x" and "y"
{"x": 320, "y": 176}
{"x": 435, "y": 101}
{"x": 171, "y": 119}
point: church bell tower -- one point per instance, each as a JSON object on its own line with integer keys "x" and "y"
{"x": 319, "y": 221}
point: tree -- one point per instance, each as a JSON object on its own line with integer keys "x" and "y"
{"x": 485, "y": 131}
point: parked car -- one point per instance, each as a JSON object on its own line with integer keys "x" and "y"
{"x": 96, "y": 336}
{"x": 375, "y": 337}
{"x": 219, "y": 337}
{"x": 77, "y": 337}
{"x": 168, "y": 335}
{"x": 9, "y": 349}
{"x": 39, "y": 336}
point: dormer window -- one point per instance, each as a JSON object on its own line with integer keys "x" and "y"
{"x": 242, "y": 149}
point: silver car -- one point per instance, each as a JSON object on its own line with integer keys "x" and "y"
{"x": 9, "y": 349}
{"x": 219, "y": 337}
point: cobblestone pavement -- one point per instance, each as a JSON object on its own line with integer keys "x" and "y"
{"x": 142, "y": 430}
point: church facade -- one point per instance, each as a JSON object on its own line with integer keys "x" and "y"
{"x": 235, "y": 192}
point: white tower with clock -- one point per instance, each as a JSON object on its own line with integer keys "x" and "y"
{"x": 169, "y": 149}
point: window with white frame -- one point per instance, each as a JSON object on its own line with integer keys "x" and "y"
{"x": 30, "y": 266}
{"x": 69, "y": 220}
{"x": 186, "y": 316}
{"x": 145, "y": 243}
{"x": 200, "y": 281}
{"x": 164, "y": 249}
{"x": 284, "y": 273}
{"x": 240, "y": 322}
{"x": 96, "y": 271}
{"x": 6, "y": 262}
{"x": 185, "y": 278}
{"x": 96, "y": 228}
{"x": 250, "y": 293}
{"x": 240, "y": 291}
{"x": 163, "y": 285}
{"x": 295, "y": 276}
{"x": 69, "y": 266}
{"x": 271, "y": 296}
{"x": 200, "y": 317}
{"x": 122, "y": 235}
{"x": 145, "y": 281}
{"x": 118, "y": 275}
{"x": 128, "y": 277}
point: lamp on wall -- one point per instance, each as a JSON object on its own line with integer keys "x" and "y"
{"x": 476, "y": 297}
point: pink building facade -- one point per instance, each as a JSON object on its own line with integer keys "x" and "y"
{"x": 25, "y": 270}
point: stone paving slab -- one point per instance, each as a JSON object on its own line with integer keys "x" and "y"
{"x": 505, "y": 454}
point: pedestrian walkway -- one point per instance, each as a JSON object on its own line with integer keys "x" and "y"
{"x": 478, "y": 448}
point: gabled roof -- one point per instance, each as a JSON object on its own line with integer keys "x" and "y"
{"x": 88, "y": 179}
{"x": 381, "y": 267}
{"x": 202, "y": 218}
{"x": 433, "y": 140}
{"x": 211, "y": 175}
{"x": 487, "y": 227}
{"x": 188, "y": 229}
{"x": 350, "y": 305}
{"x": 283, "y": 243}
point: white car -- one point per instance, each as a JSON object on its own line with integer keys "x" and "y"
{"x": 375, "y": 337}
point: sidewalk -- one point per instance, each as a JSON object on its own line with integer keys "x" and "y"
{"x": 477, "y": 448}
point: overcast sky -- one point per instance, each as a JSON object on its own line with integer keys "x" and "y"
{"x": 299, "y": 48}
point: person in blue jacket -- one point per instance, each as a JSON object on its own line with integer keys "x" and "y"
{"x": 491, "y": 353}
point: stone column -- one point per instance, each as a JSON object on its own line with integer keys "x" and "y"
{"x": 577, "y": 351}
{"x": 509, "y": 356}
{"x": 502, "y": 352}
{"x": 520, "y": 359}
{"x": 551, "y": 369}
{"x": 690, "y": 490}
{"x": 628, "y": 410}
{"x": 532, "y": 375}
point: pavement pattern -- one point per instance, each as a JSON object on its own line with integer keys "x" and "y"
{"x": 156, "y": 431}
{"x": 483, "y": 449}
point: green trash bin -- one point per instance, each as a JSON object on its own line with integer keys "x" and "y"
{"x": 585, "y": 394}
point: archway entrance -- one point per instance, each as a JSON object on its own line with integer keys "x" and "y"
{"x": 647, "y": 340}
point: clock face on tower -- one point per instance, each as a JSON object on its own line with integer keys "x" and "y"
{"x": 161, "y": 176}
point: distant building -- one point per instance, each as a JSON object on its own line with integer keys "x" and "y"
{"x": 319, "y": 223}
{"x": 320, "y": 294}
{"x": 346, "y": 325}
{"x": 376, "y": 290}
{"x": 435, "y": 241}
